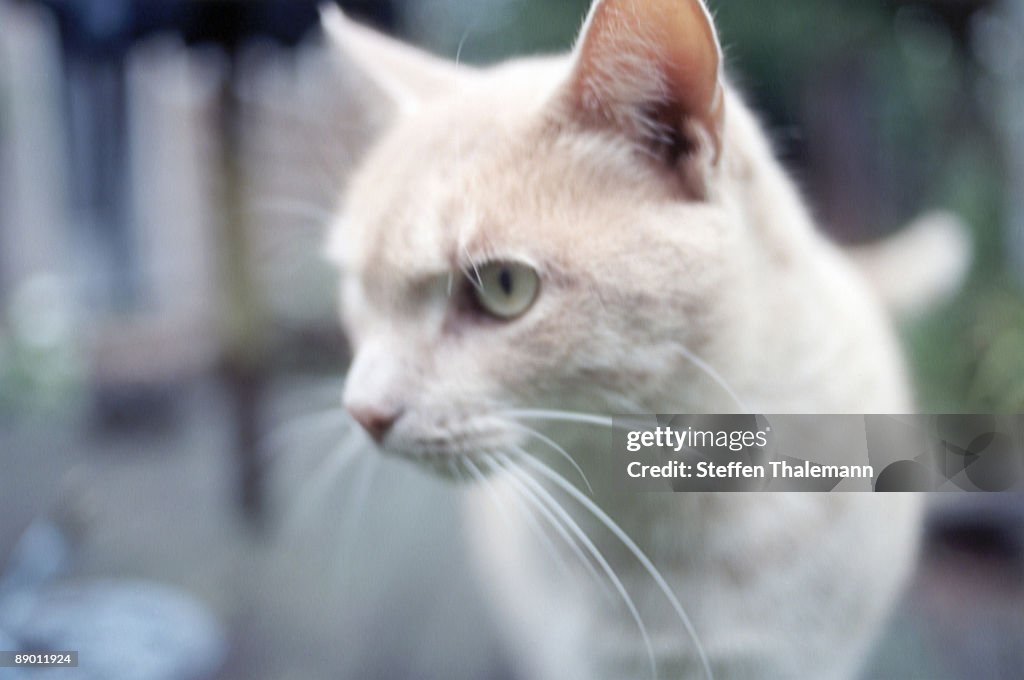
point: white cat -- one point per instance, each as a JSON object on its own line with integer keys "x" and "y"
{"x": 527, "y": 245}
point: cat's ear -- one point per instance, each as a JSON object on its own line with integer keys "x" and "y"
{"x": 652, "y": 70}
{"x": 370, "y": 81}
{"x": 402, "y": 75}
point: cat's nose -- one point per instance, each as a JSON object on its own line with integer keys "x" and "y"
{"x": 376, "y": 421}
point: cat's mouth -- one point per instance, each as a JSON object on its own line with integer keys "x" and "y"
{"x": 446, "y": 446}
{"x": 469, "y": 451}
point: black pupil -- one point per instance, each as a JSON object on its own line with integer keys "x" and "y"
{"x": 505, "y": 280}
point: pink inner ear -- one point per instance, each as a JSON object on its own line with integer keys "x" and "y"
{"x": 636, "y": 54}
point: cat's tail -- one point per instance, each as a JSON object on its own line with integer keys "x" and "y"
{"x": 920, "y": 266}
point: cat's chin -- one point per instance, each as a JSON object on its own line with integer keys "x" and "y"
{"x": 458, "y": 468}
{"x": 456, "y": 462}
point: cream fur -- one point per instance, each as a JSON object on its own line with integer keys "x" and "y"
{"x": 500, "y": 164}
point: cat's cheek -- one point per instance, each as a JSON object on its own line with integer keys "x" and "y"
{"x": 352, "y": 311}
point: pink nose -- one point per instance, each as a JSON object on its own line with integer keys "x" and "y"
{"x": 376, "y": 421}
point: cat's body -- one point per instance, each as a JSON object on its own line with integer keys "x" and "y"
{"x": 788, "y": 586}
{"x": 680, "y": 273}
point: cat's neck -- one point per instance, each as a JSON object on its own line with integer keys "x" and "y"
{"x": 814, "y": 339}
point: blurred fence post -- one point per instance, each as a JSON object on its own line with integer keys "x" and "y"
{"x": 33, "y": 157}
{"x": 997, "y": 44}
{"x": 243, "y": 316}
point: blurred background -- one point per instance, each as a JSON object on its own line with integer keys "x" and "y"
{"x": 170, "y": 364}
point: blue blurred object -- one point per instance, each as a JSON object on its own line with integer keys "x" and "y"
{"x": 8, "y": 645}
{"x": 41, "y": 554}
{"x": 123, "y": 630}
{"x": 127, "y": 630}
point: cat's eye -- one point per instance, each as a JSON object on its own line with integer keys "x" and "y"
{"x": 505, "y": 289}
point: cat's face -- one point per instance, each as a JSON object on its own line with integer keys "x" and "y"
{"x": 514, "y": 244}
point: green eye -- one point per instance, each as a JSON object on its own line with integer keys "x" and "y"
{"x": 505, "y": 289}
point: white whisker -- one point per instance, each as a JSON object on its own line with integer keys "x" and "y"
{"x": 319, "y": 482}
{"x": 545, "y": 499}
{"x": 561, "y": 417}
{"x": 482, "y": 480}
{"x": 328, "y": 420}
{"x": 531, "y": 519}
{"x": 453, "y": 468}
{"x": 610, "y": 524}
{"x": 710, "y": 371}
{"x": 555, "y": 524}
{"x": 359, "y": 498}
{"x": 556, "y": 447}
{"x": 462, "y": 43}
{"x": 476, "y": 282}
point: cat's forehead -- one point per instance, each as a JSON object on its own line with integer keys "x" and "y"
{"x": 488, "y": 174}
{"x": 432, "y": 195}
{"x": 435, "y": 228}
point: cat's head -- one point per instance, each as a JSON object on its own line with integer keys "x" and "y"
{"x": 547, "y": 234}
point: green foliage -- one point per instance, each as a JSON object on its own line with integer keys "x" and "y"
{"x": 969, "y": 356}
